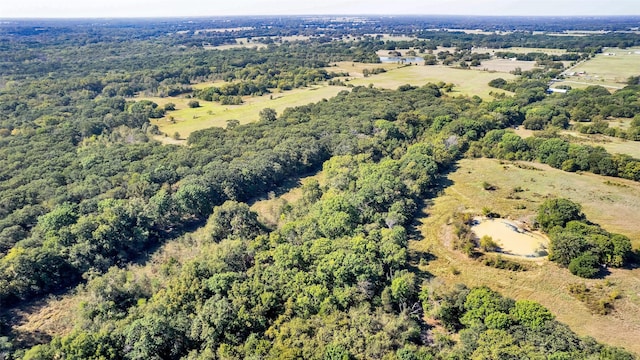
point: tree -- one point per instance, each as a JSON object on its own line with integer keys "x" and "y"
{"x": 193, "y": 104}
{"x": 488, "y": 244}
{"x": 586, "y": 265}
{"x": 234, "y": 220}
{"x": 267, "y": 115}
{"x": 531, "y": 314}
{"x": 565, "y": 246}
{"x": 558, "y": 212}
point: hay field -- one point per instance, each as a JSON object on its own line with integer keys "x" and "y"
{"x": 613, "y": 207}
{"x": 467, "y": 81}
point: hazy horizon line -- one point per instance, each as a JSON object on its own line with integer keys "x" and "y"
{"x": 311, "y": 15}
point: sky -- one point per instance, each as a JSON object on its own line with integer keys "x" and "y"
{"x": 173, "y": 8}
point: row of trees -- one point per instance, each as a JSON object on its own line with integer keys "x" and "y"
{"x": 557, "y": 152}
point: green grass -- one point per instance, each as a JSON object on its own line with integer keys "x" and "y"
{"x": 467, "y": 82}
{"x": 522, "y": 50}
{"x": 612, "y": 144}
{"x": 212, "y": 114}
{"x": 613, "y": 207}
{"x": 608, "y": 70}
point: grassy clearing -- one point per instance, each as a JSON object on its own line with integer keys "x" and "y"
{"x": 211, "y": 114}
{"x": 270, "y": 207}
{"x": 185, "y": 120}
{"x": 613, "y": 207}
{"x": 520, "y": 50}
{"x": 355, "y": 69}
{"x": 608, "y": 69}
{"x": 467, "y": 82}
{"x": 612, "y": 144}
{"x": 506, "y": 65}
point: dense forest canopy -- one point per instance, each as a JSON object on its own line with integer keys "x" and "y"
{"x": 86, "y": 189}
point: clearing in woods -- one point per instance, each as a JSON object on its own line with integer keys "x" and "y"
{"x": 612, "y": 144}
{"x": 185, "y": 120}
{"x": 212, "y": 114}
{"x": 468, "y": 82}
{"x": 613, "y": 203}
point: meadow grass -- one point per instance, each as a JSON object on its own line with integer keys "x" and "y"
{"x": 185, "y": 120}
{"x": 613, "y": 145}
{"x": 608, "y": 70}
{"x": 468, "y": 82}
{"x": 615, "y": 207}
{"x": 212, "y": 114}
{"x": 520, "y": 50}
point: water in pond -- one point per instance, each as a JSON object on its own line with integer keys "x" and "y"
{"x": 405, "y": 59}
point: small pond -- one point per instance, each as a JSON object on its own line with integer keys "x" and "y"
{"x": 512, "y": 238}
{"x": 404, "y": 59}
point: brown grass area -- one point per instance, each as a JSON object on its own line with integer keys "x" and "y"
{"x": 39, "y": 321}
{"x": 270, "y": 207}
{"x": 355, "y": 69}
{"x": 506, "y": 65}
{"x": 613, "y": 207}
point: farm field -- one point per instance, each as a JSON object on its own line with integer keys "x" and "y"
{"x": 606, "y": 68}
{"x": 506, "y": 65}
{"x": 467, "y": 82}
{"x": 611, "y": 205}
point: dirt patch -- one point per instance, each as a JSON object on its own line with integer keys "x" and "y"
{"x": 513, "y": 238}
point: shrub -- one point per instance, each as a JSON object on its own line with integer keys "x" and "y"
{"x": 585, "y": 265}
{"x": 488, "y": 244}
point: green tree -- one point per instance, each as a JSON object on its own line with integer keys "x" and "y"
{"x": 234, "y": 220}
{"x": 267, "y": 115}
{"x": 558, "y": 212}
{"x": 531, "y": 314}
{"x": 585, "y": 265}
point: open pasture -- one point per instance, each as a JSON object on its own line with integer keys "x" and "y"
{"x": 467, "y": 82}
{"x": 356, "y": 69}
{"x": 613, "y": 66}
{"x": 212, "y": 114}
{"x": 613, "y": 205}
{"x": 506, "y": 65}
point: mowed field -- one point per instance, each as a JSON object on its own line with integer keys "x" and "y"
{"x": 613, "y": 205}
{"x": 607, "y": 69}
